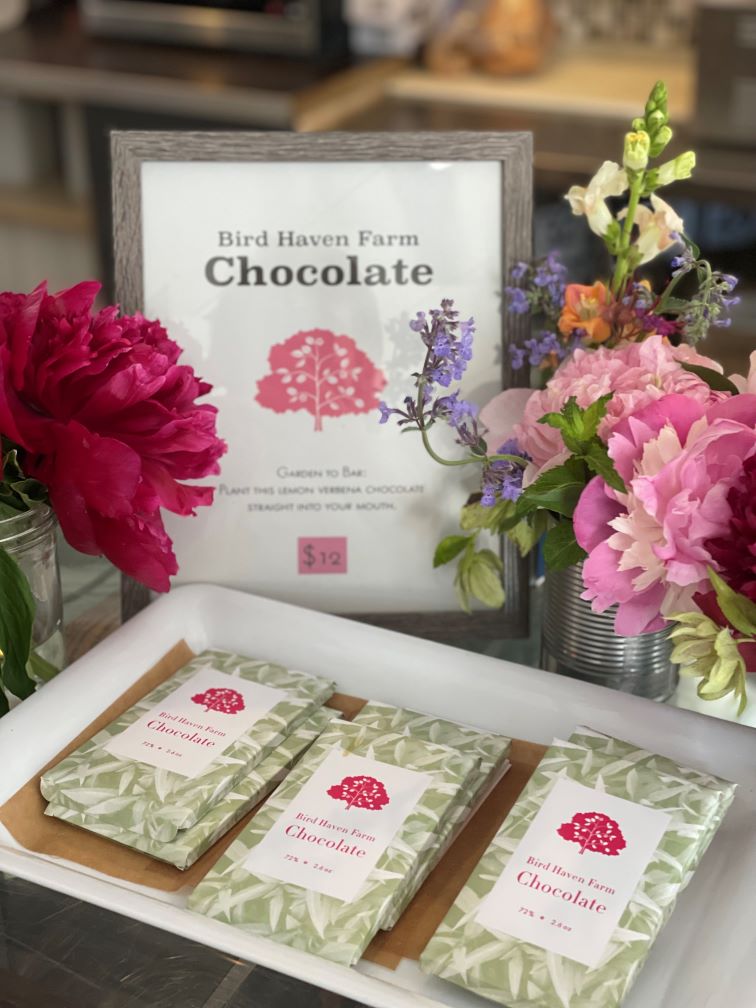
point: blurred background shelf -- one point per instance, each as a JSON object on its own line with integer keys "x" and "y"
{"x": 595, "y": 80}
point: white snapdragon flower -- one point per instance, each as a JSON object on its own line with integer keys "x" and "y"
{"x": 609, "y": 180}
{"x": 658, "y": 228}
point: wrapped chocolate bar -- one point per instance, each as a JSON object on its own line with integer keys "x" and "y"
{"x": 160, "y": 766}
{"x": 319, "y": 864}
{"x": 725, "y": 790}
{"x": 190, "y": 844}
{"x": 492, "y": 751}
{"x": 562, "y": 909}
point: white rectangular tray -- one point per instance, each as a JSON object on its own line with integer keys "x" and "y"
{"x": 705, "y": 956}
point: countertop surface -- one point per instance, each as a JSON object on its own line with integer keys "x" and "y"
{"x": 60, "y": 952}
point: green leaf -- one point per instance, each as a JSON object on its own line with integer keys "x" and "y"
{"x": 578, "y": 425}
{"x": 479, "y": 576}
{"x": 597, "y": 458}
{"x": 16, "y": 621}
{"x": 449, "y": 548}
{"x": 690, "y": 244}
{"x": 496, "y": 518}
{"x": 7, "y": 510}
{"x": 738, "y": 609}
{"x": 557, "y": 489}
{"x": 673, "y": 305}
{"x": 528, "y": 531}
{"x": 716, "y": 381}
{"x": 560, "y": 548}
{"x": 31, "y": 492}
{"x": 463, "y": 591}
{"x": 40, "y": 668}
{"x": 4, "y": 705}
{"x": 484, "y": 579}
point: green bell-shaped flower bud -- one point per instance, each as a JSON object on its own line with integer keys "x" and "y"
{"x": 657, "y": 99}
{"x": 676, "y": 170}
{"x": 660, "y": 140}
{"x": 637, "y": 146}
{"x": 655, "y": 120}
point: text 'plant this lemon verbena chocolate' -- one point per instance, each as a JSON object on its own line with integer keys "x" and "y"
{"x": 100, "y": 420}
{"x": 634, "y": 455}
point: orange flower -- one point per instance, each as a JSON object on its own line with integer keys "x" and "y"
{"x": 586, "y": 308}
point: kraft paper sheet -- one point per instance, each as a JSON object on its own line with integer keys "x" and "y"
{"x": 24, "y": 818}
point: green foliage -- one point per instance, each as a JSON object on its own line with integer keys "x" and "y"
{"x": 40, "y": 668}
{"x": 479, "y": 576}
{"x": 526, "y": 533}
{"x": 16, "y": 621}
{"x": 613, "y": 237}
{"x": 449, "y": 548}
{"x": 716, "y": 381}
{"x": 556, "y": 490}
{"x": 738, "y": 609}
{"x": 579, "y": 429}
{"x": 497, "y": 519}
{"x": 17, "y": 492}
{"x": 578, "y": 425}
{"x": 560, "y": 548}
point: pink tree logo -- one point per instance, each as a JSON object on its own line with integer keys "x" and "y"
{"x": 321, "y": 373}
{"x": 360, "y": 792}
{"x": 594, "y": 831}
{"x": 225, "y": 701}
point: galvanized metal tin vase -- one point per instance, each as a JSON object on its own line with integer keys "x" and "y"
{"x": 582, "y": 644}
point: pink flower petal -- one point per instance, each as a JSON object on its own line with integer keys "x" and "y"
{"x": 502, "y": 413}
{"x": 594, "y": 511}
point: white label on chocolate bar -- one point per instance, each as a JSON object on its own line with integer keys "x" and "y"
{"x": 570, "y": 878}
{"x": 333, "y": 832}
{"x": 196, "y": 723}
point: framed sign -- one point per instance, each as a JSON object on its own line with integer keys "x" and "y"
{"x": 288, "y": 267}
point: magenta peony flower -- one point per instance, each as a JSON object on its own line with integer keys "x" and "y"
{"x": 735, "y": 552}
{"x": 648, "y": 549}
{"x": 637, "y": 374}
{"x": 106, "y": 419}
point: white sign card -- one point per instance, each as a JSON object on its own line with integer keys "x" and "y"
{"x": 196, "y": 723}
{"x": 334, "y": 831}
{"x": 291, "y": 284}
{"x": 570, "y": 878}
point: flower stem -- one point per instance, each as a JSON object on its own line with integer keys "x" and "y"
{"x": 621, "y": 267}
{"x": 438, "y": 458}
{"x": 420, "y": 402}
{"x": 659, "y": 307}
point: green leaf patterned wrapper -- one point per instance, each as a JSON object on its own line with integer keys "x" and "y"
{"x": 191, "y": 844}
{"x": 298, "y": 915}
{"x": 522, "y": 974}
{"x": 492, "y": 751}
{"x": 159, "y": 802}
{"x": 725, "y": 790}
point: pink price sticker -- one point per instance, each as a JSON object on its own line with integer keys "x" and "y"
{"x": 322, "y": 554}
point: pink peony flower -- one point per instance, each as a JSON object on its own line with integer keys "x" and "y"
{"x": 637, "y": 374}
{"x": 648, "y": 549}
{"x": 747, "y": 383}
{"x": 106, "y": 419}
{"x": 502, "y": 413}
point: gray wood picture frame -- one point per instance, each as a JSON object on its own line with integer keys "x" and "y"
{"x": 513, "y": 151}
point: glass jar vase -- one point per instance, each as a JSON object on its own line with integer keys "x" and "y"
{"x": 29, "y": 538}
{"x": 580, "y": 643}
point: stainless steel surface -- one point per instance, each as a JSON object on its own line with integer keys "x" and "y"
{"x": 582, "y": 644}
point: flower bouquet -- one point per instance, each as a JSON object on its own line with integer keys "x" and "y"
{"x": 637, "y": 456}
{"x": 98, "y": 422}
